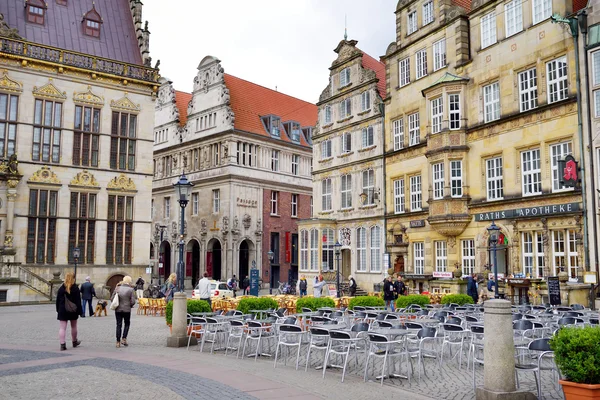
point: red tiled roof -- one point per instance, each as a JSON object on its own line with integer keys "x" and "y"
{"x": 379, "y": 68}
{"x": 250, "y": 101}
{"x": 579, "y": 4}
{"x": 182, "y": 99}
{"x": 466, "y": 4}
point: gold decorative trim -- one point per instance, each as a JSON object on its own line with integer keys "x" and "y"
{"x": 9, "y": 84}
{"x": 49, "y": 91}
{"x": 125, "y": 104}
{"x": 44, "y": 175}
{"x": 85, "y": 179}
{"x": 122, "y": 183}
{"x": 88, "y": 97}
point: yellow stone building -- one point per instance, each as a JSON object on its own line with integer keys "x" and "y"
{"x": 481, "y": 106}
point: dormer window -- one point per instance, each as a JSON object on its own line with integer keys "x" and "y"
{"x": 345, "y": 77}
{"x": 36, "y": 11}
{"x": 272, "y": 124}
{"x": 91, "y": 22}
{"x": 307, "y": 134}
{"x": 293, "y": 130}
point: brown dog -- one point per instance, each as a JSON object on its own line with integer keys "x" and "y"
{"x": 101, "y": 306}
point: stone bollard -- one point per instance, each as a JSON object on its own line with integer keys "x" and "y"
{"x": 178, "y": 336}
{"x": 56, "y": 283}
{"x": 499, "y": 350}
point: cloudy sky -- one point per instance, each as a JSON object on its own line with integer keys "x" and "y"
{"x": 275, "y": 43}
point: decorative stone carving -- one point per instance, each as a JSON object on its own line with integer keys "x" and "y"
{"x": 125, "y": 104}
{"x": 236, "y": 223}
{"x": 346, "y": 50}
{"x": 174, "y": 231}
{"x": 258, "y": 227}
{"x": 166, "y": 94}
{"x": 44, "y": 175}
{"x": 12, "y": 184}
{"x": 121, "y": 183}
{"x": 49, "y": 91}
{"x": 12, "y": 166}
{"x": 247, "y": 221}
{"x": 88, "y": 97}
{"x": 6, "y": 31}
{"x": 8, "y": 239}
{"x": 225, "y": 224}
{"x": 203, "y": 227}
{"x": 345, "y": 235}
{"x": 9, "y": 84}
{"x": 85, "y": 179}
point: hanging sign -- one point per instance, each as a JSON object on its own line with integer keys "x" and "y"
{"x": 569, "y": 171}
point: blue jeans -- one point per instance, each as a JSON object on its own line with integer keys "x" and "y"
{"x": 89, "y": 302}
{"x": 389, "y": 303}
{"x": 302, "y": 293}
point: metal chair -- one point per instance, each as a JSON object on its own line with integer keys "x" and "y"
{"x": 289, "y": 336}
{"x": 476, "y": 349}
{"x": 257, "y": 332}
{"x": 212, "y": 330}
{"x": 340, "y": 343}
{"x": 454, "y": 335}
{"x": 381, "y": 347}
{"x": 319, "y": 340}
{"x": 195, "y": 328}
{"x": 384, "y": 324}
{"x": 542, "y": 348}
{"x": 577, "y": 307}
{"x": 237, "y": 330}
{"x": 416, "y": 348}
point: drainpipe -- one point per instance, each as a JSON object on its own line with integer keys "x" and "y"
{"x": 384, "y": 190}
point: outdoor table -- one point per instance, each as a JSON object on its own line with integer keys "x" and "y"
{"x": 391, "y": 332}
{"x": 426, "y": 321}
{"x": 333, "y": 327}
{"x": 202, "y": 314}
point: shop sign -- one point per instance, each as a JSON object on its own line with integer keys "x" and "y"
{"x": 528, "y": 212}
{"x": 491, "y": 276}
{"x": 437, "y": 274}
{"x": 418, "y": 223}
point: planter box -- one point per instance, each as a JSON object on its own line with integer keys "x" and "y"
{"x": 580, "y": 391}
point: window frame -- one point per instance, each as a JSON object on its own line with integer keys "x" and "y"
{"x": 375, "y": 249}
{"x": 86, "y": 136}
{"x": 167, "y": 207}
{"x": 496, "y": 180}
{"x": 344, "y": 76}
{"x": 398, "y": 133}
{"x": 361, "y": 249}
{"x": 365, "y": 100}
{"x": 328, "y": 115}
{"x": 534, "y": 173}
{"x": 441, "y": 255}
{"x": 467, "y": 247}
{"x": 556, "y": 84}
{"x": 414, "y": 129}
{"x": 454, "y": 114}
{"x": 274, "y": 160}
{"x": 346, "y": 108}
{"x": 486, "y": 28}
{"x": 9, "y": 122}
{"x": 559, "y": 151}
{"x": 456, "y": 179}
{"x": 528, "y": 90}
{"x": 47, "y": 131}
{"x": 427, "y": 12}
{"x": 326, "y": 190}
{"x": 544, "y": 14}
{"x": 82, "y": 226}
{"x": 326, "y": 152}
{"x": 118, "y": 135}
{"x": 411, "y": 23}
{"x": 439, "y": 54}
{"x": 416, "y": 193}
{"x": 421, "y": 63}
{"x": 399, "y": 196}
{"x": 368, "y": 186}
{"x": 274, "y": 203}
{"x": 437, "y": 114}
{"x": 295, "y": 164}
{"x": 438, "y": 180}
{"x": 294, "y": 203}
{"x": 119, "y": 232}
{"x": 404, "y": 72}
{"x": 195, "y": 200}
{"x": 304, "y": 249}
{"x": 346, "y": 142}
{"x": 419, "y": 258}
{"x": 491, "y": 102}
{"x": 513, "y": 12}
{"x": 346, "y": 191}
{"x": 42, "y": 219}
{"x": 216, "y": 201}
{"x": 368, "y": 137}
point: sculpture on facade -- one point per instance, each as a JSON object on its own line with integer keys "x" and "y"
{"x": 13, "y": 164}
{"x": 225, "y": 224}
{"x": 247, "y": 221}
{"x": 236, "y": 223}
{"x": 203, "y": 227}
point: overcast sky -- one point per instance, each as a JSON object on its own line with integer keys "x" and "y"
{"x": 283, "y": 43}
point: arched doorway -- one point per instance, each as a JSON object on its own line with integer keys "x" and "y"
{"x": 244, "y": 260}
{"x": 112, "y": 282}
{"x": 192, "y": 261}
{"x": 165, "y": 259}
{"x": 213, "y": 259}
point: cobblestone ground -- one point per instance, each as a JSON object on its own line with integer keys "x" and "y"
{"x": 147, "y": 360}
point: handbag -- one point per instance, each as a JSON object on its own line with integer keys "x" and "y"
{"x": 115, "y": 303}
{"x": 69, "y": 305}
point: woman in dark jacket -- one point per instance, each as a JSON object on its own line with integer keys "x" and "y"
{"x": 388, "y": 293}
{"x": 123, "y": 311}
{"x": 68, "y": 296}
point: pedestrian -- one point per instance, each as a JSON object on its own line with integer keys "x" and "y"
{"x": 68, "y": 308}
{"x": 318, "y": 286}
{"x": 246, "y": 285}
{"x": 169, "y": 287}
{"x": 491, "y": 285}
{"x": 352, "y": 285}
{"x": 232, "y": 284}
{"x": 388, "y": 293}
{"x": 472, "y": 288}
{"x": 302, "y": 286}
{"x": 123, "y": 312}
{"x": 204, "y": 289}
{"x": 400, "y": 286}
{"x": 139, "y": 288}
{"x": 87, "y": 293}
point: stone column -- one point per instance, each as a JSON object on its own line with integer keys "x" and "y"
{"x": 10, "y": 213}
{"x": 178, "y": 336}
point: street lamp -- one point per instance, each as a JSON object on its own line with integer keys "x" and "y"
{"x": 161, "y": 254}
{"x": 493, "y": 231}
{"x": 76, "y": 254}
{"x": 271, "y": 256}
{"x": 337, "y": 246}
{"x": 184, "y": 189}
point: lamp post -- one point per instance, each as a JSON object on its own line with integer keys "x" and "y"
{"x": 161, "y": 255}
{"x": 184, "y": 189}
{"x": 271, "y": 255}
{"x": 76, "y": 254}
{"x": 493, "y": 231}
{"x": 337, "y": 246}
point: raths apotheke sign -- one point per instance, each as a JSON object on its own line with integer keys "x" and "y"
{"x": 528, "y": 212}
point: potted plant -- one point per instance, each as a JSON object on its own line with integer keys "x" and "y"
{"x": 577, "y": 355}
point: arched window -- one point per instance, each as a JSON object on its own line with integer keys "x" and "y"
{"x": 361, "y": 249}
{"x": 375, "y": 249}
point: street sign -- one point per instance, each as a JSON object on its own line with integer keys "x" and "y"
{"x": 254, "y": 282}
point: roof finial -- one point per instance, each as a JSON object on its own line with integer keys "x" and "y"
{"x": 345, "y": 27}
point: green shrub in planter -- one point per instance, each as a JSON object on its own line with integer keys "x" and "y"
{"x": 405, "y": 301}
{"x": 257, "y": 303}
{"x": 314, "y": 303}
{"x": 192, "y": 307}
{"x": 460, "y": 299}
{"x": 366, "y": 301}
{"x": 577, "y": 354}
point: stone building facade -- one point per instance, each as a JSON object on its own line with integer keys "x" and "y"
{"x": 76, "y": 118}
{"x": 247, "y": 149}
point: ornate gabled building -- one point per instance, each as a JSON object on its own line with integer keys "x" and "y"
{"x": 348, "y": 173}
{"x": 76, "y": 119}
{"x": 247, "y": 149}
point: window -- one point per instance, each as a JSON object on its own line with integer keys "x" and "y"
{"x": 456, "y": 178}
{"x": 8, "y": 124}
{"x": 92, "y": 28}
{"x": 527, "y": 246}
{"x": 398, "y": 128}
{"x": 528, "y": 94}
{"x": 246, "y": 154}
{"x": 494, "y": 180}
{"x": 427, "y": 13}
{"x": 344, "y": 77}
{"x": 597, "y": 103}
{"x": 295, "y": 164}
{"x": 275, "y": 160}
{"x": 361, "y": 249}
{"x": 564, "y": 246}
{"x": 41, "y": 227}
{"x": 415, "y": 193}
{"x": 438, "y": 181}
{"x": 404, "y": 71}
{"x": 439, "y": 54}
{"x": 272, "y": 124}
{"x": 441, "y": 256}
{"x": 414, "y": 129}
{"x": 368, "y": 183}
{"x": 122, "y": 141}
{"x": 86, "y": 138}
{"x": 559, "y": 152}
{"x": 314, "y": 250}
{"x": 36, "y": 12}
{"x": 274, "y": 202}
{"x": 216, "y": 200}
{"x": 375, "y": 249}
{"x": 119, "y": 230}
{"x": 533, "y": 254}
{"x": 167, "y": 207}
{"x": 327, "y": 114}
{"x": 531, "y": 172}
{"x": 488, "y": 30}
{"x": 326, "y": 194}
{"x": 365, "y": 101}
{"x": 399, "y": 196}
{"x": 346, "y": 142}
{"x": 468, "y": 256}
{"x": 491, "y": 102}
{"x": 557, "y": 79}
{"x": 215, "y": 151}
{"x": 82, "y": 226}
{"x": 194, "y": 203}
{"x": 419, "y": 257}
{"x": 345, "y": 108}
{"x": 293, "y": 130}
{"x": 346, "y": 190}
{"x": 542, "y": 9}
{"x": 421, "y": 59}
{"x": 367, "y": 137}
{"x": 304, "y": 250}
{"x": 412, "y": 22}
{"x": 327, "y": 250}
{"x": 454, "y": 110}
{"x": 294, "y": 205}
{"x": 326, "y": 149}
{"x": 514, "y": 17}
{"x": 437, "y": 113}
{"x": 46, "y": 131}
{"x": 596, "y": 67}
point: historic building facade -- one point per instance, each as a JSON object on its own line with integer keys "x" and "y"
{"x": 348, "y": 173}
{"x": 247, "y": 149}
{"x": 482, "y": 97}
{"x": 76, "y": 120}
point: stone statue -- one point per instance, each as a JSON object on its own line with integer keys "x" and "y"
{"x": 247, "y": 220}
{"x": 258, "y": 224}
{"x": 184, "y": 161}
{"x": 13, "y": 164}
{"x": 6, "y": 31}
{"x": 203, "y": 227}
{"x": 236, "y": 223}
{"x": 225, "y": 224}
